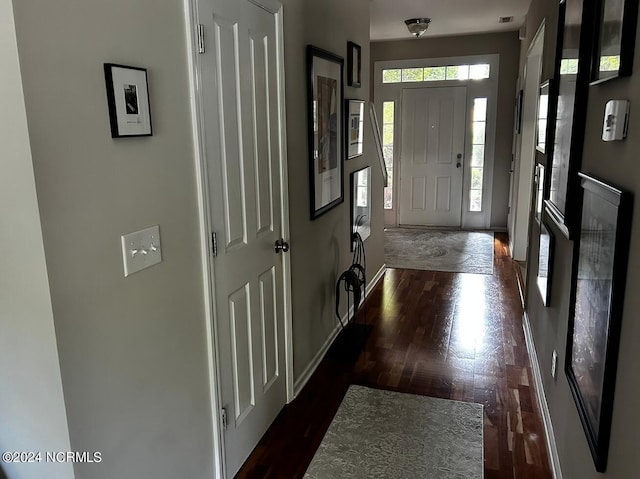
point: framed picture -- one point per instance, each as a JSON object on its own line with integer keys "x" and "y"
{"x": 355, "y": 128}
{"x": 573, "y": 61}
{"x": 325, "y": 117}
{"x": 598, "y": 296}
{"x": 543, "y": 115}
{"x": 128, "y": 100}
{"x": 377, "y": 139}
{"x": 545, "y": 262}
{"x": 360, "y": 204}
{"x": 354, "y": 65}
{"x": 615, "y": 34}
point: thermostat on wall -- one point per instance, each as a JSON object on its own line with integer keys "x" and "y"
{"x": 616, "y": 120}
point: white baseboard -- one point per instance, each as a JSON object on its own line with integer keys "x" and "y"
{"x": 552, "y": 448}
{"x": 301, "y": 382}
{"x": 315, "y": 362}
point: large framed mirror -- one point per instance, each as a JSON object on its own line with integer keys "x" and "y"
{"x": 615, "y": 33}
{"x": 573, "y": 66}
{"x": 602, "y": 246}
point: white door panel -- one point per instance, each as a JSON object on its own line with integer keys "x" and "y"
{"x": 241, "y": 98}
{"x": 431, "y": 173}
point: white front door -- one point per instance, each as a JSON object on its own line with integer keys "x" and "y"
{"x": 241, "y": 92}
{"x": 432, "y": 156}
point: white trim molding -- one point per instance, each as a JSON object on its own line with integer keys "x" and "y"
{"x": 191, "y": 21}
{"x": 552, "y": 447}
{"x": 301, "y": 382}
{"x": 284, "y": 205}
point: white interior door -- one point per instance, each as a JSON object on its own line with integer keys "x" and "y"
{"x": 432, "y": 156}
{"x": 241, "y": 94}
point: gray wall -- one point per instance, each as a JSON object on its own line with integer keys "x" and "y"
{"x": 616, "y": 162}
{"x": 320, "y": 249}
{"x": 133, "y": 355}
{"x": 32, "y": 410}
{"x": 508, "y": 47}
{"x": 133, "y": 351}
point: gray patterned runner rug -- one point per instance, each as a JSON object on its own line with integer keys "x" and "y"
{"x": 390, "y": 435}
{"x": 432, "y": 250}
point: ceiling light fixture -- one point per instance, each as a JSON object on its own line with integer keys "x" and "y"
{"x": 417, "y": 26}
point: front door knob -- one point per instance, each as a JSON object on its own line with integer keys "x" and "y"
{"x": 281, "y": 245}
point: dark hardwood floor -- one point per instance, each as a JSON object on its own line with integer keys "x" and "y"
{"x": 447, "y": 335}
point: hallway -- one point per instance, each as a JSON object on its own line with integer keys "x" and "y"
{"x": 447, "y": 335}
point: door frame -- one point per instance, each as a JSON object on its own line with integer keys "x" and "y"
{"x": 208, "y": 264}
{"x": 475, "y": 88}
{"x": 520, "y": 196}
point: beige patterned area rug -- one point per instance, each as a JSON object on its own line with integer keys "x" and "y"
{"x": 433, "y": 250}
{"x": 385, "y": 434}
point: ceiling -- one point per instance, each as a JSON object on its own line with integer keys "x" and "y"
{"x": 448, "y": 17}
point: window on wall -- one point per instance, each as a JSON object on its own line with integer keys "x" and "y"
{"x": 569, "y": 66}
{"x": 478, "y": 132}
{"x": 412, "y": 74}
{"x": 480, "y": 71}
{"x": 610, "y": 63}
{"x": 388, "y": 125}
{"x": 392, "y": 76}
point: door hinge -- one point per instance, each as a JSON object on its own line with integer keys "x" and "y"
{"x": 223, "y": 418}
{"x": 201, "y": 38}
{"x": 214, "y": 244}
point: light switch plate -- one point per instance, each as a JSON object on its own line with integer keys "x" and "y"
{"x": 141, "y": 249}
{"x": 554, "y": 364}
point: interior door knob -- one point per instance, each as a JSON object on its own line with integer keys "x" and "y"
{"x": 281, "y": 245}
{"x": 458, "y": 165}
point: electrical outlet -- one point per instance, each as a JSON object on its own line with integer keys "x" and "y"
{"x": 554, "y": 364}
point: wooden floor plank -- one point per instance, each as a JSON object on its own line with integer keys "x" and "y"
{"x": 448, "y": 335}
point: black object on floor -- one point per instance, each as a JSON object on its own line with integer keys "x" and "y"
{"x": 349, "y": 343}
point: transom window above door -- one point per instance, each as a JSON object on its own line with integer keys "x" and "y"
{"x": 480, "y": 71}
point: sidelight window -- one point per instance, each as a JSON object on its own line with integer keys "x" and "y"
{"x": 388, "y": 127}
{"x": 478, "y": 142}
